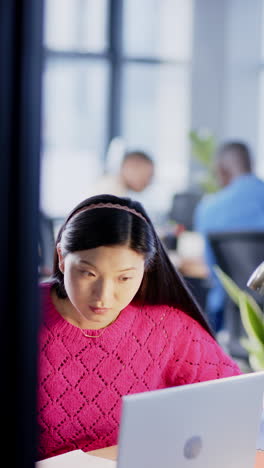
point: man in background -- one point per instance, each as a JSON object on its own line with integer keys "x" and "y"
{"x": 134, "y": 175}
{"x": 239, "y": 204}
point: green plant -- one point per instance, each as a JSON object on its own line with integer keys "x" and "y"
{"x": 252, "y": 319}
{"x": 203, "y": 147}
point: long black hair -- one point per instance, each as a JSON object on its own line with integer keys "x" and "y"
{"x": 90, "y": 228}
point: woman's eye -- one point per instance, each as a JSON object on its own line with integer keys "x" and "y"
{"x": 125, "y": 278}
{"x": 87, "y": 273}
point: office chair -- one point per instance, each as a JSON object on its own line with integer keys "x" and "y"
{"x": 46, "y": 244}
{"x": 182, "y": 208}
{"x": 237, "y": 253}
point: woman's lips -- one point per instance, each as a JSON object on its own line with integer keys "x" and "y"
{"x": 99, "y": 310}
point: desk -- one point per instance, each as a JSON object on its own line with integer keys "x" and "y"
{"x": 259, "y": 460}
{"x": 110, "y": 453}
{"x": 189, "y": 266}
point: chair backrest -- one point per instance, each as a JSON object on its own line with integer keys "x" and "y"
{"x": 183, "y": 206}
{"x": 238, "y": 253}
{"x": 46, "y": 243}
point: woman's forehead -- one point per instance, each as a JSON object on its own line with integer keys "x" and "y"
{"x": 119, "y": 255}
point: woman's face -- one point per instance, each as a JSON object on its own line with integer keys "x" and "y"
{"x": 101, "y": 282}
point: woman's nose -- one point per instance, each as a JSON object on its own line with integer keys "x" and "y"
{"x": 102, "y": 292}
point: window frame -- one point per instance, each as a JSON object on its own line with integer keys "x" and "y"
{"x": 116, "y": 60}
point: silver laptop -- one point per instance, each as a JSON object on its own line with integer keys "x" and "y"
{"x": 210, "y": 424}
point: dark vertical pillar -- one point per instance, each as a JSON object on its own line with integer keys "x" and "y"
{"x": 115, "y": 51}
{"x": 20, "y": 99}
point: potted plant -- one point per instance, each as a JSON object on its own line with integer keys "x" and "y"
{"x": 252, "y": 319}
{"x": 203, "y": 147}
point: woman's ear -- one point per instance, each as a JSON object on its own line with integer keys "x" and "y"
{"x": 60, "y": 258}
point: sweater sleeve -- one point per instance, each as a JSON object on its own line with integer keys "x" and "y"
{"x": 202, "y": 357}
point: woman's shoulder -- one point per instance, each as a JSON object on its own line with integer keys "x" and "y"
{"x": 173, "y": 318}
{"x": 167, "y": 311}
{"x": 46, "y": 303}
{"x": 44, "y": 285}
{"x": 45, "y": 289}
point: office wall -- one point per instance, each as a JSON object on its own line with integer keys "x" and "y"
{"x": 208, "y": 65}
{"x": 226, "y": 66}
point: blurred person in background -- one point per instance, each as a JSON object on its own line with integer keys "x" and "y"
{"x": 239, "y": 204}
{"x": 134, "y": 175}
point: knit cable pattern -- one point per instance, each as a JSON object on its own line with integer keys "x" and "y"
{"x": 82, "y": 380}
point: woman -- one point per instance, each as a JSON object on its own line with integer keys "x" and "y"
{"x": 117, "y": 319}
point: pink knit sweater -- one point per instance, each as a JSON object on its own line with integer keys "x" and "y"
{"x": 82, "y": 380}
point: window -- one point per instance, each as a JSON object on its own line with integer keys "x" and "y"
{"x": 114, "y": 68}
{"x": 160, "y": 29}
{"x": 260, "y": 159}
{"x": 76, "y": 25}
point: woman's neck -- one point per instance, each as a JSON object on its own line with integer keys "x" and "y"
{"x": 71, "y": 315}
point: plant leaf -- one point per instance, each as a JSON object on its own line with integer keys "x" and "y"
{"x": 209, "y": 185}
{"x": 203, "y": 147}
{"x": 252, "y": 317}
{"x": 229, "y": 285}
{"x": 251, "y": 346}
{"x": 255, "y": 353}
{"x": 256, "y": 362}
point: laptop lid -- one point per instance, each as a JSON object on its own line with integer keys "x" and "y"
{"x": 214, "y": 423}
